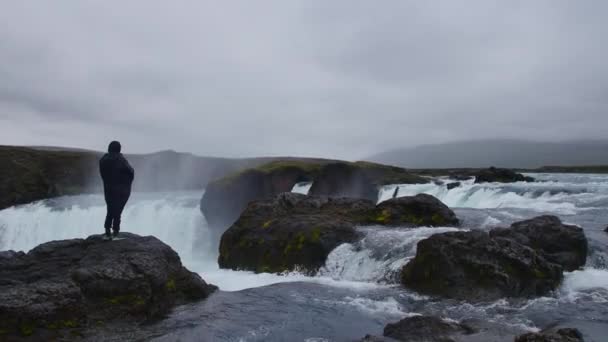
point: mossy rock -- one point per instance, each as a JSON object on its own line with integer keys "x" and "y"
{"x": 473, "y": 266}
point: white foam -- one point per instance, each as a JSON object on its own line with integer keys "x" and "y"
{"x": 589, "y": 282}
{"x": 379, "y": 256}
{"x": 302, "y": 188}
{"x": 550, "y": 196}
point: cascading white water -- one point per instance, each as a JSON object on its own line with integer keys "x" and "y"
{"x": 549, "y": 196}
{"x": 379, "y": 256}
{"x": 175, "y": 218}
{"x": 302, "y": 188}
{"x": 167, "y": 218}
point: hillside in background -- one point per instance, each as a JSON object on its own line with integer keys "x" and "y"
{"x": 499, "y": 153}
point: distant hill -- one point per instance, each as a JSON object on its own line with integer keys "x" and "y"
{"x": 499, "y": 153}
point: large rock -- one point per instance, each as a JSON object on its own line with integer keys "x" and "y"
{"x": 416, "y": 211}
{"x": 474, "y": 266}
{"x": 560, "y": 335}
{"x": 423, "y": 329}
{"x": 290, "y": 231}
{"x": 562, "y": 244}
{"x": 72, "y": 284}
{"x": 500, "y": 175}
{"x": 299, "y": 231}
{"x": 453, "y": 185}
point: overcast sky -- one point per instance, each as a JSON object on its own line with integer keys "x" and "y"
{"x": 322, "y": 78}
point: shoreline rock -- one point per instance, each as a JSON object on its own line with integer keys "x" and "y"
{"x": 70, "y": 284}
{"x": 493, "y": 174}
{"x": 298, "y": 231}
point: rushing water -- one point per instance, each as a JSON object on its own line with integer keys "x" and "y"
{"x": 356, "y": 292}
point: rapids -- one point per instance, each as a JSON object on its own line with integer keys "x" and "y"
{"x": 356, "y": 293}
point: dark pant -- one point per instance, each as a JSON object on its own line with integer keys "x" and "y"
{"x": 115, "y": 202}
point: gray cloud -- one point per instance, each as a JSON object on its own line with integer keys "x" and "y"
{"x": 319, "y": 78}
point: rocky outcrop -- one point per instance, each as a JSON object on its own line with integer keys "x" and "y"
{"x": 473, "y": 266}
{"x": 292, "y": 230}
{"x": 453, "y": 185}
{"x": 500, "y": 175}
{"x": 522, "y": 261}
{"x": 561, "y": 244}
{"x": 71, "y": 284}
{"x": 560, "y": 335}
{"x": 416, "y": 211}
{"x": 298, "y": 231}
{"x": 423, "y": 329}
{"x": 225, "y": 199}
{"x": 606, "y": 230}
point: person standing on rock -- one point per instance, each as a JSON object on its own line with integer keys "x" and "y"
{"x": 117, "y": 175}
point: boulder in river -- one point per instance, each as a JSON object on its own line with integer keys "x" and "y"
{"x": 71, "y": 284}
{"x": 298, "y": 231}
{"x": 565, "y": 245}
{"x": 475, "y": 266}
{"x": 560, "y": 335}
{"x": 290, "y": 230}
{"x": 493, "y": 174}
{"x": 416, "y": 211}
{"x": 453, "y": 185}
{"x": 422, "y": 329}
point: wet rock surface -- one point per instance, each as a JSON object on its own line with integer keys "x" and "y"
{"x": 422, "y": 329}
{"x": 559, "y": 335}
{"x": 565, "y": 245}
{"x": 474, "y": 266}
{"x": 68, "y": 285}
{"x": 493, "y": 174}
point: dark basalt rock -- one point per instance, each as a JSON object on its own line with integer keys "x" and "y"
{"x": 72, "y": 284}
{"x": 422, "y": 329}
{"x": 425, "y": 328}
{"x": 606, "y": 230}
{"x": 294, "y": 230}
{"x": 500, "y": 175}
{"x": 562, "y": 244}
{"x": 453, "y": 185}
{"x": 474, "y": 266}
{"x": 561, "y": 335}
{"x": 416, "y": 211}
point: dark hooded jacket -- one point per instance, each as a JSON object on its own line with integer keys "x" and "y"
{"x": 117, "y": 174}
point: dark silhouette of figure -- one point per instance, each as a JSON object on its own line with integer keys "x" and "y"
{"x": 117, "y": 177}
{"x": 396, "y": 192}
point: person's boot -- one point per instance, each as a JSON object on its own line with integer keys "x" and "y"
{"x": 115, "y": 234}
{"x": 108, "y": 235}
